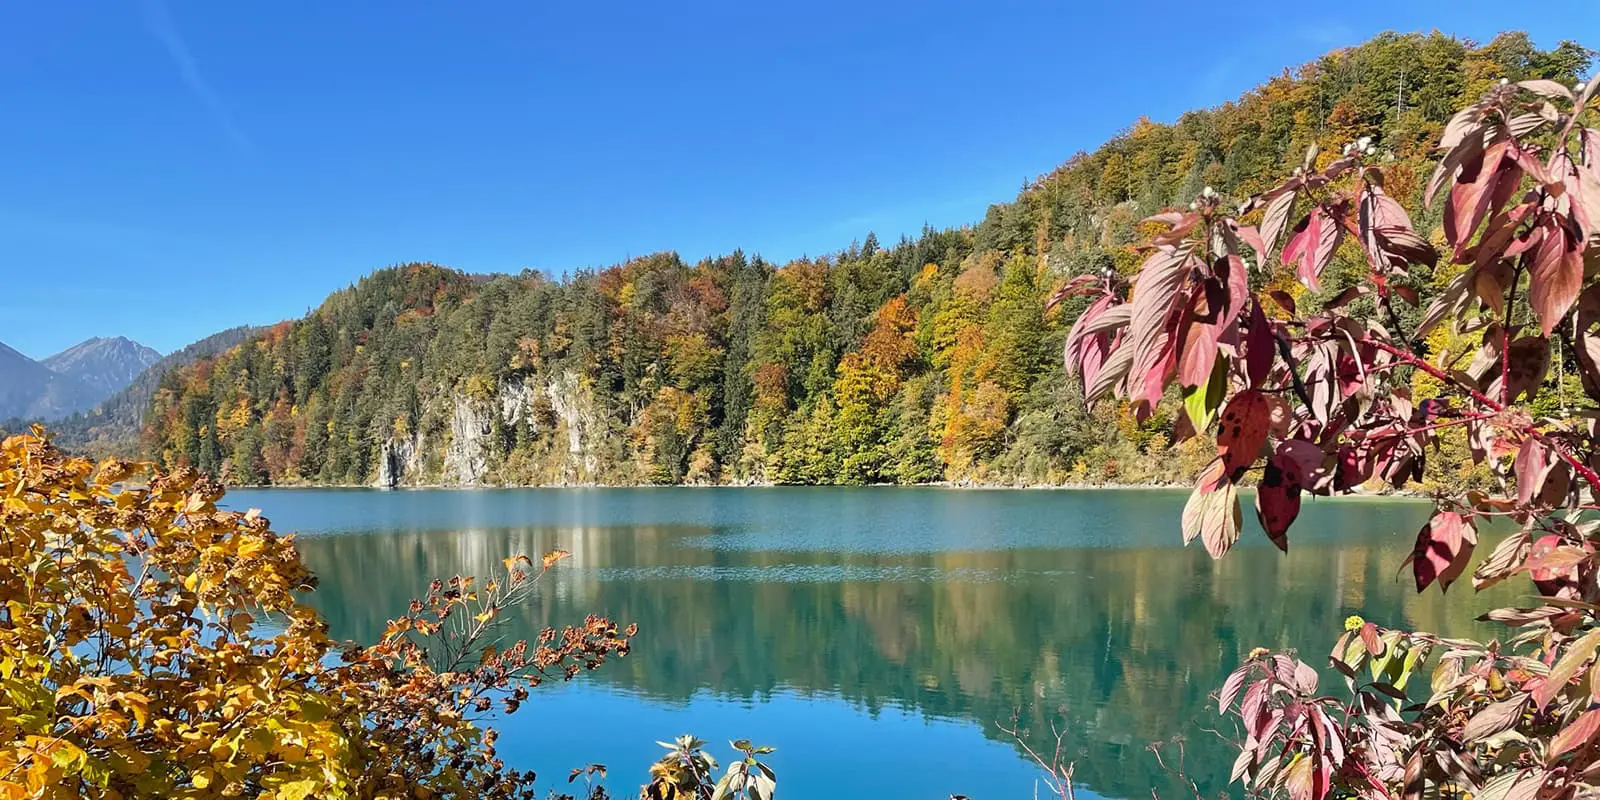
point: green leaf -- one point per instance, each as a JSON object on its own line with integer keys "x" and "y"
{"x": 1416, "y": 654}
{"x": 1202, "y": 402}
{"x": 1392, "y": 659}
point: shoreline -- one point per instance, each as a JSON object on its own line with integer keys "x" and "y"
{"x": 953, "y": 485}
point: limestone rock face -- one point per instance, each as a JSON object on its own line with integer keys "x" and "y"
{"x": 465, "y": 456}
{"x": 532, "y": 404}
{"x": 574, "y": 409}
{"x": 399, "y": 459}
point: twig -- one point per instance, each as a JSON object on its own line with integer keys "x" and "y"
{"x": 1556, "y": 446}
{"x": 1058, "y": 778}
{"x": 1505, "y": 339}
{"x": 1294, "y": 369}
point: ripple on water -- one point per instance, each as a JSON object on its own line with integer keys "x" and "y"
{"x": 821, "y": 573}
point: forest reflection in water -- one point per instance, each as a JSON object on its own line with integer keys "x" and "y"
{"x": 930, "y": 612}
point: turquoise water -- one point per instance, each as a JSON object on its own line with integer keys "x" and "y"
{"x": 880, "y": 638}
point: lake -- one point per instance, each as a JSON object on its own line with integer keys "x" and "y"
{"x": 880, "y": 638}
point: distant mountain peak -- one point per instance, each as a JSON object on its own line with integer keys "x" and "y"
{"x": 103, "y": 363}
{"x": 75, "y": 379}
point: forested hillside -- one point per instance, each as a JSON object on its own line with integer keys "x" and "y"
{"x": 931, "y": 359}
{"x": 113, "y": 426}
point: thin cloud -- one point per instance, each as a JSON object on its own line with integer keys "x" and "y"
{"x": 158, "y": 21}
{"x": 1326, "y": 33}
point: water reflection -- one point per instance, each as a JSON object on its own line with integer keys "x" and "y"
{"x": 958, "y": 606}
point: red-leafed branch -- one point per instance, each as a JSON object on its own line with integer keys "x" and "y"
{"x": 1449, "y": 423}
{"x": 1556, "y": 446}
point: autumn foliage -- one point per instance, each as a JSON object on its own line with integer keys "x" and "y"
{"x": 734, "y": 369}
{"x": 153, "y": 645}
{"x": 1317, "y": 398}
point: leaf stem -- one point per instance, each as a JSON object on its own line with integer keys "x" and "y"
{"x": 1505, "y": 338}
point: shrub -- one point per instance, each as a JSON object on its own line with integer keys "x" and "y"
{"x": 152, "y": 645}
{"x": 1317, "y": 397}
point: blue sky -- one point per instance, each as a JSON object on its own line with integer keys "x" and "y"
{"x": 175, "y": 167}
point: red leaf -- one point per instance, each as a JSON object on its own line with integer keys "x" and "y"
{"x": 1575, "y": 655}
{"x": 1463, "y": 141}
{"x": 1495, "y": 719}
{"x": 1293, "y": 467}
{"x": 1306, "y": 778}
{"x": 1237, "y": 279}
{"x": 1371, "y": 640}
{"x": 1524, "y": 784}
{"x": 1212, "y": 512}
{"x": 1250, "y": 708}
{"x": 1242, "y": 431}
{"x": 1312, "y": 246}
{"x": 1444, "y": 546}
{"x": 1220, "y": 525}
{"x": 1102, "y": 316}
{"x": 1556, "y": 276}
{"x": 1112, "y": 374}
{"x": 1588, "y": 341}
{"x": 1231, "y": 687}
{"x": 1388, "y": 235}
{"x": 1355, "y": 466}
{"x": 1155, "y": 311}
{"x": 1283, "y": 300}
{"x": 1181, "y": 224}
{"x": 1203, "y": 325}
{"x": 1083, "y": 284}
{"x": 1531, "y": 457}
{"x": 1090, "y": 345}
{"x": 1305, "y": 678}
{"x": 1469, "y": 198}
{"x": 1530, "y": 360}
{"x": 1551, "y": 560}
{"x": 1260, "y": 347}
{"x": 1277, "y": 505}
{"x": 1533, "y": 463}
{"x": 1275, "y": 217}
{"x": 1302, "y": 462}
{"x": 1252, "y": 237}
{"x": 1583, "y": 185}
{"x": 1580, "y": 732}
{"x": 1546, "y": 88}
{"x": 1096, "y": 352}
{"x": 1194, "y": 511}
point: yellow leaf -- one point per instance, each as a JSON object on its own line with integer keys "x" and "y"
{"x": 138, "y": 705}
{"x": 250, "y": 547}
{"x": 297, "y": 790}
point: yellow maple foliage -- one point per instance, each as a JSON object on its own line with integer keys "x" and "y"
{"x": 132, "y": 664}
